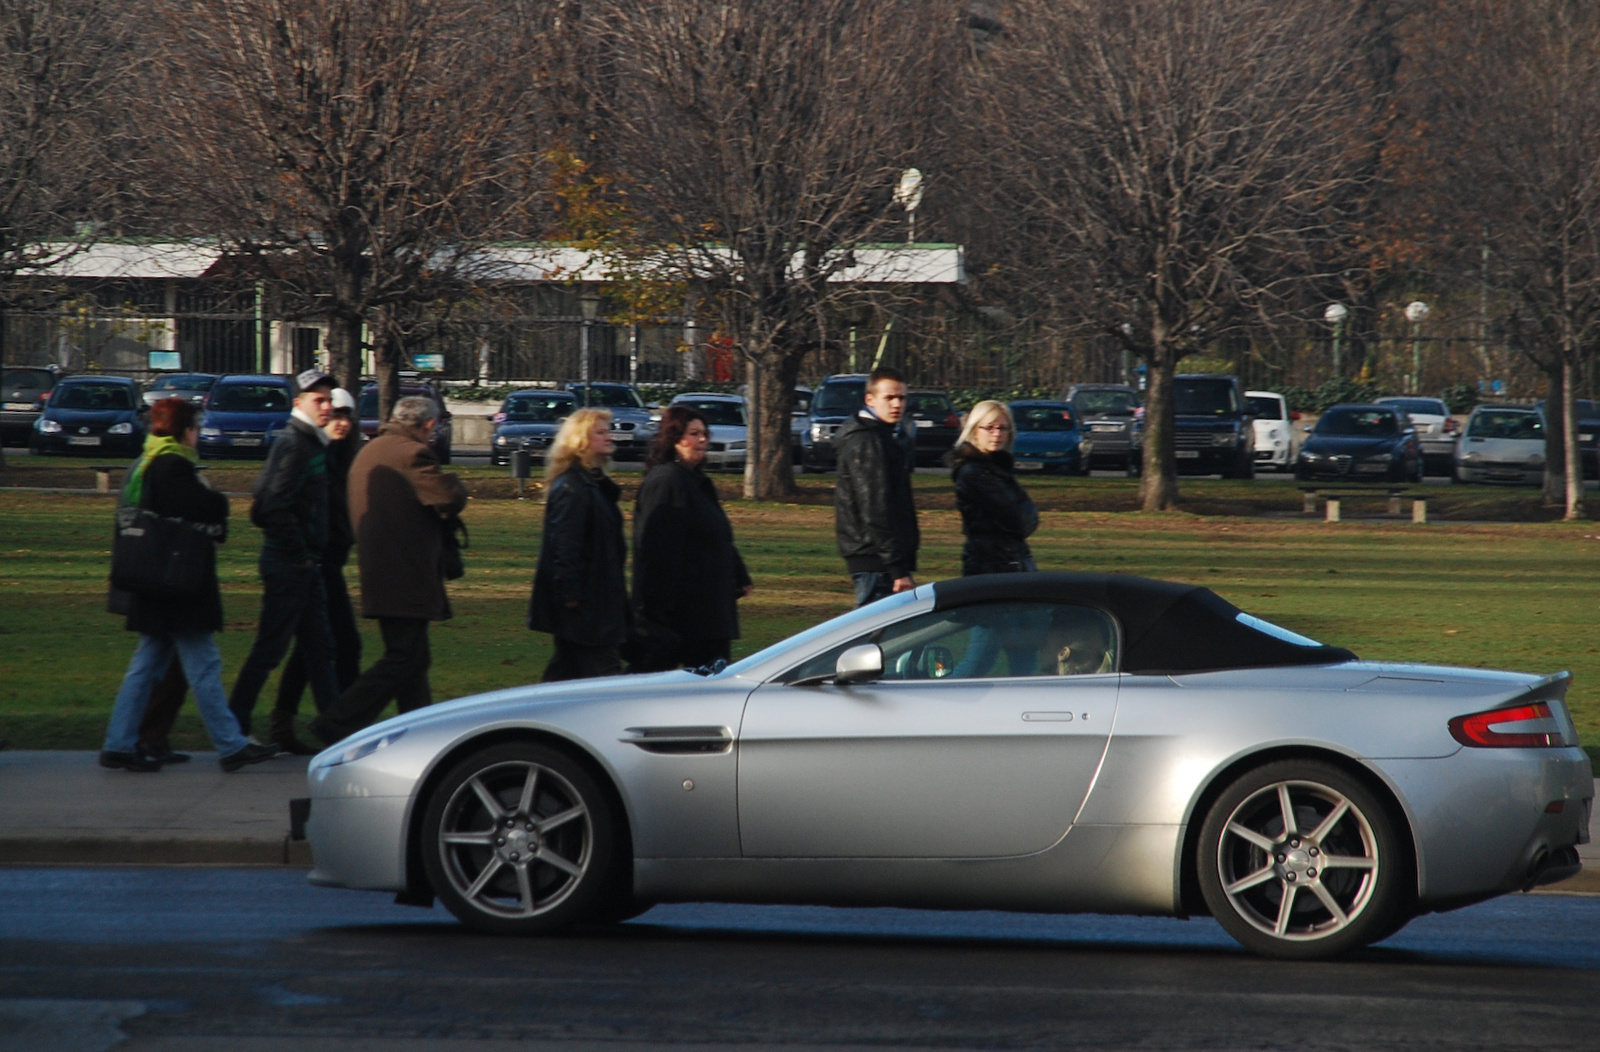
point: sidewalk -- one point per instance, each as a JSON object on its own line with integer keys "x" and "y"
{"x": 62, "y": 808}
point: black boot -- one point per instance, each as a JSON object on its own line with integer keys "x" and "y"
{"x": 281, "y": 730}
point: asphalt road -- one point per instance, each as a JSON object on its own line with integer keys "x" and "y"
{"x": 194, "y": 958}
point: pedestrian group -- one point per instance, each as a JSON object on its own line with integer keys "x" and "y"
{"x": 322, "y": 491}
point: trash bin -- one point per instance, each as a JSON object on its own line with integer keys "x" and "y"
{"x": 521, "y": 464}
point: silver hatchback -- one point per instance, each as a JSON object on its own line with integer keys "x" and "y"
{"x": 1502, "y": 444}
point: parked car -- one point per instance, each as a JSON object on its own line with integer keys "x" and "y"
{"x": 799, "y": 424}
{"x": 1213, "y": 431}
{"x": 1437, "y": 430}
{"x": 528, "y": 420}
{"x": 243, "y": 412}
{"x": 1361, "y": 443}
{"x": 937, "y": 422}
{"x": 1049, "y": 439}
{"x": 1502, "y": 443}
{"x": 191, "y": 387}
{"x": 730, "y": 432}
{"x": 98, "y": 415}
{"x": 1274, "y": 426}
{"x": 838, "y": 398}
{"x": 1111, "y": 418}
{"x": 443, "y": 436}
{"x": 1588, "y": 434}
{"x": 1041, "y": 742}
{"x": 633, "y": 424}
{"x": 23, "y": 393}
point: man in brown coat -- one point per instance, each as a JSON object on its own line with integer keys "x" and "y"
{"x": 398, "y": 501}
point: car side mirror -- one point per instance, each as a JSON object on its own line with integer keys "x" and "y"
{"x": 859, "y": 664}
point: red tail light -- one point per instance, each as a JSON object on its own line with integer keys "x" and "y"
{"x": 1450, "y": 425}
{"x": 1481, "y": 730}
{"x": 952, "y": 420}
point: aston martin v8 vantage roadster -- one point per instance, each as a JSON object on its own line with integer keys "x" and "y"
{"x": 1035, "y": 742}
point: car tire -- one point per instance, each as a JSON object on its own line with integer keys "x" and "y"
{"x": 519, "y": 839}
{"x": 1258, "y": 860}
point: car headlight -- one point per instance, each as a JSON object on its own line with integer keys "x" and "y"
{"x": 735, "y": 445}
{"x": 123, "y": 428}
{"x": 817, "y": 432}
{"x": 1378, "y": 458}
{"x": 1536, "y": 460}
{"x": 49, "y": 427}
{"x": 1470, "y": 458}
{"x": 1222, "y": 440}
{"x": 358, "y": 751}
{"x": 501, "y": 440}
{"x": 213, "y": 433}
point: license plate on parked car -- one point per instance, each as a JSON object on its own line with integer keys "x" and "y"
{"x": 1029, "y": 465}
{"x": 1187, "y": 454}
{"x": 247, "y": 441}
{"x": 83, "y": 440}
{"x": 17, "y": 407}
{"x": 924, "y": 423}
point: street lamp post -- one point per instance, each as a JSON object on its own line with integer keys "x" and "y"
{"x": 1416, "y": 311}
{"x": 589, "y": 304}
{"x": 908, "y": 194}
{"x": 1335, "y": 315}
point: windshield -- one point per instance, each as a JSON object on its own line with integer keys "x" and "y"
{"x": 799, "y": 644}
{"x": 1110, "y": 403}
{"x": 538, "y": 408}
{"x": 34, "y": 378}
{"x": 1505, "y": 423}
{"x": 369, "y": 399}
{"x": 182, "y": 383}
{"x": 716, "y": 411}
{"x": 93, "y": 396}
{"x": 249, "y": 398}
{"x": 1368, "y": 422}
{"x": 1417, "y": 406}
{"x": 840, "y": 399}
{"x": 1264, "y": 408}
{"x": 609, "y": 397}
{"x": 1204, "y": 397}
{"x": 929, "y": 405}
{"x": 1043, "y": 418}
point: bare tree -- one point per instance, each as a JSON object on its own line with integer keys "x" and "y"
{"x": 359, "y": 153}
{"x": 1176, "y": 168}
{"x": 760, "y": 142}
{"x": 60, "y": 62}
{"x": 1505, "y": 103}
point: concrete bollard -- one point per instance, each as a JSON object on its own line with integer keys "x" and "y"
{"x": 1419, "y": 511}
{"x": 1333, "y": 509}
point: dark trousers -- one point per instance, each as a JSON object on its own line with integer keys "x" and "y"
{"x": 294, "y": 608}
{"x": 161, "y": 712}
{"x": 693, "y": 653}
{"x": 870, "y": 587}
{"x": 401, "y": 674}
{"x": 579, "y": 661}
{"x": 346, "y": 642}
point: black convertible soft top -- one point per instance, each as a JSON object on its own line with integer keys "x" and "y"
{"x": 1166, "y": 626}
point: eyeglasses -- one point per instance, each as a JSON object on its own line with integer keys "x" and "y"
{"x": 993, "y": 428}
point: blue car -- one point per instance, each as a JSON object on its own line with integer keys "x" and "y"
{"x": 529, "y": 420}
{"x": 242, "y": 413}
{"x": 96, "y": 415}
{"x": 1049, "y": 439}
{"x": 1374, "y": 443}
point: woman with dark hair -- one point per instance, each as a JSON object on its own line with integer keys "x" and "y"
{"x": 687, "y": 575}
{"x": 165, "y": 481}
{"x": 580, "y": 589}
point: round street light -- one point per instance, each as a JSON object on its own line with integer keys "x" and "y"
{"x": 1335, "y": 315}
{"x": 1416, "y": 310}
{"x": 908, "y": 195}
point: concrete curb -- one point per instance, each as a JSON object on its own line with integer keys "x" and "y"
{"x": 153, "y": 851}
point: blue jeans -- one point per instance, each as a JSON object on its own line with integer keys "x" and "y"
{"x": 870, "y": 587}
{"x": 202, "y": 664}
{"x": 294, "y": 608}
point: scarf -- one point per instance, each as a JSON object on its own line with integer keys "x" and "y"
{"x": 154, "y": 446}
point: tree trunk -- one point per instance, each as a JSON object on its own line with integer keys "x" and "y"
{"x": 388, "y": 352}
{"x": 769, "y": 473}
{"x": 344, "y": 352}
{"x": 1158, "y": 490}
{"x": 1555, "y": 448}
{"x": 1569, "y": 439}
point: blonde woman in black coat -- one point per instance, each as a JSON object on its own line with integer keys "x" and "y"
{"x": 687, "y": 575}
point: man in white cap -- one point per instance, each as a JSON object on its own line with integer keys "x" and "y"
{"x": 344, "y": 434}
{"x": 290, "y": 507}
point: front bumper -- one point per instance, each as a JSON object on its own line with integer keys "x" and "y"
{"x": 1500, "y": 473}
{"x": 96, "y": 445}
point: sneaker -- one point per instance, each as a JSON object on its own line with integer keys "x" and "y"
{"x": 127, "y": 761}
{"x": 251, "y": 753}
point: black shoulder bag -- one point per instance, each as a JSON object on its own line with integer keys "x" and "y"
{"x": 158, "y": 556}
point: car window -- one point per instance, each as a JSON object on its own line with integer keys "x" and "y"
{"x": 1265, "y": 408}
{"x": 538, "y": 408}
{"x": 1043, "y": 418}
{"x": 249, "y": 398}
{"x": 986, "y": 641}
{"x": 182, "y": 383}
{"x": 802, "y": 403}
{"x": 1417, "y": 406}
{"x": 1508, "y": 423}
{"x": 1204, "y": 397}
{"x": 930, "y": 405}
{"x": 610, "y": 397}
{"x": 1358, "y": 422}
{"x": 93, "y": 396}
{"x": 1112, "y": 403}
{"x": 716, "y": 411}
{"x": 840, "y": 399}
{"x": 39, "y": 379}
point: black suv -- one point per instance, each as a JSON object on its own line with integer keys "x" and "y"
{"x": 837, "y": 399}
{"x": 23, "y": 392}
{"x": 1215, "y": 431}
{"x": 1110, "y": 417}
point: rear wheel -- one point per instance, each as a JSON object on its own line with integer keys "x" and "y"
{"x": 520, "y": 840}
{"x": 1299, "y": 860}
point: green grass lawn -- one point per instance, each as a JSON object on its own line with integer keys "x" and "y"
{"x": 1504, "y": 594}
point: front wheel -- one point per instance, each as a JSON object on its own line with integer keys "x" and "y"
{"x": 520, "y": 840}
{"x": 1299, "y": 860}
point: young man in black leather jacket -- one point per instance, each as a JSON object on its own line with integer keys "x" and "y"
{"x": 875, "y": 520}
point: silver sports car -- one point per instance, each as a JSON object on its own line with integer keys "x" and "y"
{"x": 1042, "y": 742}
